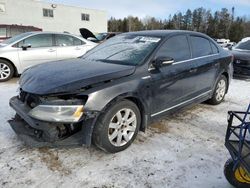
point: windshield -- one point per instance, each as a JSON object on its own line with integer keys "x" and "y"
{"x": 243, "y": 45}
{"x": 15, "y": 38}
{"x": 101, "y": 36}
{"x": 124, "y": 49}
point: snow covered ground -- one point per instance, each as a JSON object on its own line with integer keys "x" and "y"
{"x": 184, "y": 150}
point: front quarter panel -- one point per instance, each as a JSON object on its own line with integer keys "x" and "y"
{"x": 123, "y": 88}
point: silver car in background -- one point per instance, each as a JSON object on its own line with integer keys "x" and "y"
{"x": 28, "y": 49}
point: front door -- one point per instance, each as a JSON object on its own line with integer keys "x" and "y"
{"x": 173, "y": 85}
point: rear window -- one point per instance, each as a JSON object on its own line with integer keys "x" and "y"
{"x": 214, "y": 48}
{"x": 200, "y": 46}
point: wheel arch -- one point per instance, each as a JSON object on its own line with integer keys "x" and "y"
{"x": 135, "y": 99}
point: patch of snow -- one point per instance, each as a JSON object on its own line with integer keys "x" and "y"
{"x": 183, "y": 150}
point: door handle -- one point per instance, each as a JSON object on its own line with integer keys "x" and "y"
{"x": 51, "y": 50}
{"x": 77, "y": 48}
{"x": 193, "y": 70}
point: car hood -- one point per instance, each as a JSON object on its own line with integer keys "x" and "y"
{"x": 86, "y": 33}
{"x": 70, "y": 75}
{"x": 241, "y": 54}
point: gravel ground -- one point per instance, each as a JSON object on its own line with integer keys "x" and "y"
{"x": 183, "y": 150}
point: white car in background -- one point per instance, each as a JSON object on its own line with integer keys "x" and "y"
{"x": 28, "y": 49}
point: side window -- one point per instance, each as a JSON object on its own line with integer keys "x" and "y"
{"x": 66, "y": 40}
{"x": 214, "y": 48}
{"x": 37, "y": 41}
{"x": 200, "y": 46}
{"x": 78, "y": 42}
{"x": 176, "y": 47}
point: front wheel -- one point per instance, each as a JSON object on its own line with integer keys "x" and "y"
{"x": 220, "y": 91}
{"x": 117, "y": 128}
{"x": 238, "y": 177}
{"x": 6, "y": 71}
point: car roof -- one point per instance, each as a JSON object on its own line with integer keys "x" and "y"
{"x": 49, "y": 32}
{"x": 245, "y": 39}
{"x": 164, "y": 33}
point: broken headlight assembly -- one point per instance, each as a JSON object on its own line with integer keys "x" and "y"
{"x": 58, "y": 113}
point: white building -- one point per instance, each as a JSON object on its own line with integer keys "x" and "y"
{"x": 51, "y": 17}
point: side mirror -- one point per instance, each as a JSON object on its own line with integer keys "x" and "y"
{"x": 162, "y": 61}
{"x": 26, "y": 46}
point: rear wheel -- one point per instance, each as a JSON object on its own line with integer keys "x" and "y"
{"x": 117, "y": 128}
{"x": 239, "y": 177}
{"x": 6, "y": 70}
{"x": 220, "y": 91}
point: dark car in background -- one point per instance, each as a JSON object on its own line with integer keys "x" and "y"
{"x": 118, "y": 88}
{"x": 99, "y": 37}
{"x": 241, "y": 62}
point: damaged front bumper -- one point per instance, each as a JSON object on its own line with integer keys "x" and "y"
{"x": 36, "y": 133}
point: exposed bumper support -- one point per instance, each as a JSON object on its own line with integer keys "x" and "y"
{"x": 30, "y": 130}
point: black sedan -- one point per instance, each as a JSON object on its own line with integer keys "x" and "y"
{"x": 117, "y": 88}
{"x": 241, "y": 63}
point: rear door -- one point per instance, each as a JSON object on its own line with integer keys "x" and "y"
{"x": 41, "y": 50}
{"x": 205, "y": 57}
{"x": 173, "y": 85}
{"x": 69, "y": 47}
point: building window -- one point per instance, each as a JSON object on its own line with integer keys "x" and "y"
{"x": 48, "y": 13}
{"x": 2, "y": 8}
{"x": 3, "y": 32}
{"x": 85, "y": 17}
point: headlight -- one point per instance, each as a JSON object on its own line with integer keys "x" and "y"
{"x": 56, "y": 113}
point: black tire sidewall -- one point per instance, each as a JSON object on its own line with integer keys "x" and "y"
{"x": 100, "y": 134}
{"x": 230, "y": 175}
{"x": 11, "y": 70}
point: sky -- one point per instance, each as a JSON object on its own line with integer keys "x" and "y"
{"x": 157, "y": 8}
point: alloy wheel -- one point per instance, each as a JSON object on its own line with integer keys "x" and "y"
{"x": 4, "y": 71}
{"x": 122, "y": 127}
{"x": 220, "y": 90}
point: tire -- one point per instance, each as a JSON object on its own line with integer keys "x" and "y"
{"x": 117, "y": 127}
{"x": 230, "y": 175}
{"x": 219, "y": 91}
{"x": 6, "y": 71}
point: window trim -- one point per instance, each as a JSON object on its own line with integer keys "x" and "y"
{"x": 196, "y": 58}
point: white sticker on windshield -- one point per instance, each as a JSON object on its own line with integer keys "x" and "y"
{"x": 149, "y": 39}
